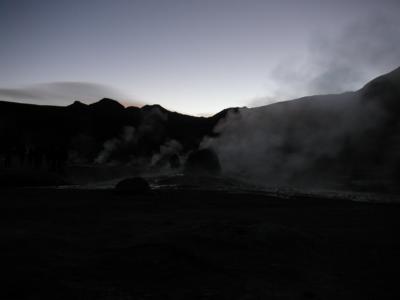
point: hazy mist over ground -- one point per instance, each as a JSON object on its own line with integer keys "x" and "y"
{"x": 313, "y": 139}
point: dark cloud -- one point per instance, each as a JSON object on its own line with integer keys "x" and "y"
{"x": 364, "y": 49}
{"x": 63, "y": 93}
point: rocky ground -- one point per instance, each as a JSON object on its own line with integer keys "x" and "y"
{"x": 195, "y": 244}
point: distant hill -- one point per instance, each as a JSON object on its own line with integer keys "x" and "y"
{"x": 351, "y": 138}
{"x": 348, "y": 139}
{"x": 81, "y": 133}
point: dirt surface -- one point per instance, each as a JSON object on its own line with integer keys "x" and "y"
{"x": 182, "y": 244}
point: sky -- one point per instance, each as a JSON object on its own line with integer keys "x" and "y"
{"x": 193, "y": 56}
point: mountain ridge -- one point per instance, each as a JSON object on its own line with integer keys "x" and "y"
{"x": 349, "y": 136}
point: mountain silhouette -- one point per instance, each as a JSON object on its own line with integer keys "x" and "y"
{"x": 83, "y": 130}
{"x": 349, "y": 137}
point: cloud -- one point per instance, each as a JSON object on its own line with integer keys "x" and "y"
{"x": 63, "y": 93}
{"x": 336, "y": 63}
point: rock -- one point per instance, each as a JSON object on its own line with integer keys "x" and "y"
{"x": 204, "y": 161}
{"x": 134, "y": 185}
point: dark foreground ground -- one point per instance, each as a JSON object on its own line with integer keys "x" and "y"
{"x": 77, "y": 244}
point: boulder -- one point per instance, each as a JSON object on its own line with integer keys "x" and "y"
{"x": 203, "y": 161}
{"x": 134, "y": 185}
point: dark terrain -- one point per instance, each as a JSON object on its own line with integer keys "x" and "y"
{"x": 350, "y": 139}
{"x": 185, "y": 237}
{"x": 184, "y": 244}
{"x": 77, "y": 133}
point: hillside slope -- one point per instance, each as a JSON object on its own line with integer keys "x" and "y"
{"x": 337, "y": 139}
